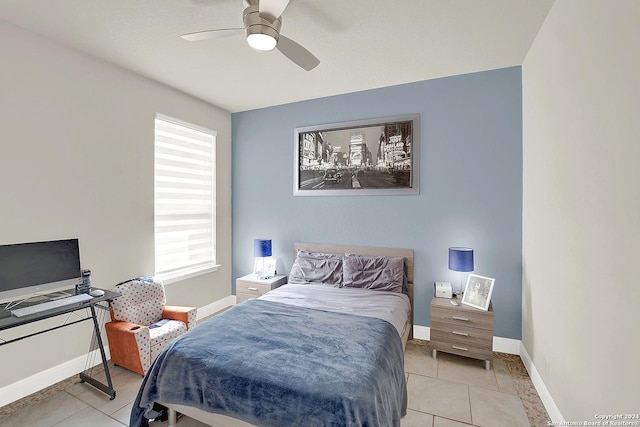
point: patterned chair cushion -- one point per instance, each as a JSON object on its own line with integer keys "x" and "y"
{"x": 141, "y": 301}
{"x": 163, "y": 335}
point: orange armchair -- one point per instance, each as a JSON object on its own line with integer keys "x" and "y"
{"x": 142, "y": 325}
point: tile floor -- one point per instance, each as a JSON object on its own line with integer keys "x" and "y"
{"x": 448, "y": 392}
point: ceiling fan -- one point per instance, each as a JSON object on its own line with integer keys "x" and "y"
{"x": 262, "y": 21}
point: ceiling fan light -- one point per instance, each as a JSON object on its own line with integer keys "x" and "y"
{"x": 263, "y": 42}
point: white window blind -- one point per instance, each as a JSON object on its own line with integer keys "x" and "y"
{"x": 185, "y": 194}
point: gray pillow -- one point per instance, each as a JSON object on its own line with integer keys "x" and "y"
{"x": 374, "y": 272}
{"x": 317, "y": 268}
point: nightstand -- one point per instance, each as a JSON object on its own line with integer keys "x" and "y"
{"x": 462, "y": 330}
{"x": 250, "y": 286}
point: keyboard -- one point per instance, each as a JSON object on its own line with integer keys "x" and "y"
{"x": 38, "y": 308}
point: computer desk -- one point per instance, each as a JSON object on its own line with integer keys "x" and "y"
{"x": 7, "y": 321}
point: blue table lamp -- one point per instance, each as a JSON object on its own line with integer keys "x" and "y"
{"x": 261, "y": 250}
{"x": 460, "y": 259}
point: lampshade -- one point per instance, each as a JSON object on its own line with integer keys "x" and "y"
{"x": 461, "y": 259}
{"x": 261, "y": 248}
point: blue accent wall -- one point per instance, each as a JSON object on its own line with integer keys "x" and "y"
{"x": 470, "y": 184}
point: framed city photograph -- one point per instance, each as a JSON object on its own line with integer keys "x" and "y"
{"x": 478, "y": 291}
{"x": 365, "y": 157}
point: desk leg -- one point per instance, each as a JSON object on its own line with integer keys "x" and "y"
{"x": 108, "y": 388}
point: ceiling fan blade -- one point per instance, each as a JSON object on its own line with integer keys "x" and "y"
{"x": 297, "y": 53}
{"x": 212, "y": 34}
{"x": 272, "y": 9}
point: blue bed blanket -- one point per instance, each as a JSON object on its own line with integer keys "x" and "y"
{"x": 274, "y": 364}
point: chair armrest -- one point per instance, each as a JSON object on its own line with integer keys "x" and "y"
{"x": 124, "y": 344}
{"x": 119, "y": 327}
{"x": 187, "y": 315}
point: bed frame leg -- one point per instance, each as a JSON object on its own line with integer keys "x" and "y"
{"x": 173, "y": 415}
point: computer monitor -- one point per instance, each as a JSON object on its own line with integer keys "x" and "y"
{"x": 28, "y": 269}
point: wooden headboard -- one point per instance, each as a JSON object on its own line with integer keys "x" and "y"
{"x": 330, "y": 248}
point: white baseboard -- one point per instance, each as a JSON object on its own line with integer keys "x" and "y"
{"x": 512, "y": 346}
{"x": 49, "y": 377}
{"x": 41, "y": 380}
{"x": 506, "y": 345}
{"x": 421, "y": 332}
{"x": 554, "y": 413}
{"x": 213, "y": 308}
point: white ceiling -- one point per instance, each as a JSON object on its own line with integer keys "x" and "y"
{"x": 362, "y": 44}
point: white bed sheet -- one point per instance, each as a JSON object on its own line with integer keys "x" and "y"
{"x": 393, "y": 307}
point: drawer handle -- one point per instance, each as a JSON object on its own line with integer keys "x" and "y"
{"x": 464, "y": 334}
{"x": 253, "y": 289}
{"x": 464, "y": 319}
{"x": 459, "y": 348}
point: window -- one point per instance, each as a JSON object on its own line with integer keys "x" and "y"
{"x": 185, "y": 197}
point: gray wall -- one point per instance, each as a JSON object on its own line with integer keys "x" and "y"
{"x": 581, "y": 221}
{"x": 470, "y": 184}
{"x": 76, "y": 161}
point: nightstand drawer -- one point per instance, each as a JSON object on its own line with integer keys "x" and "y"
{"x": 461, "y": 330}
{"x": 243, "y": 297}
{"x": 473, "y": 337}
{"x": 249, "y": 286}
{"x": 470, "y": 347}
{"x": 252, "y": 288}
{"x": 467, "y": 318}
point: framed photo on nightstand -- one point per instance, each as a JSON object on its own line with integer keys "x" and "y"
{"x": 478, "y": 291}
{"x": 265, "y": 267}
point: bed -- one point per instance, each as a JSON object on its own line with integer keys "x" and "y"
{"x": 312, "y": 352}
